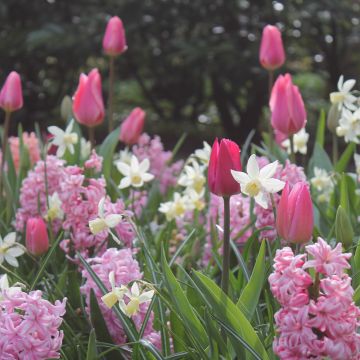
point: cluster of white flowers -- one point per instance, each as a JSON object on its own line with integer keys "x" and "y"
{"x": 135, "y": 296}
{"x": 323, "y": 182}
{"x": 300, "y": 142}
{"x": 347, "y": 103}
{"x": 192, "y": 179}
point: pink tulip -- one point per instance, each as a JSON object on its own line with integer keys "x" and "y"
{"x": 11, "y": 98}
{"x": 132, "y": 126}
{"x": 114, "y": 41}
{"x": 288, "y": 114}
{"x": 37, "y": 240}
{"x": 88, "y": 105}
{"x": 272, "y": 54}
{"x": 224, "y": 157}
{"x": 295, "y": 219}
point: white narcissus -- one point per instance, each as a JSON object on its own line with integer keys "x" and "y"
{"x": 116, "y": 294}
{"x": 257, "y": 182}
{"x": 204, "y": 154}
{"x": 63, "y": 139}
{"x": 343, "y": 96}
{"x": 55, "y": 211}
{"x": 103, "y": 222}
{"x": 136, "y": 298}
{"x": 193, "y": 177}
{"x": 10, "y": 249}
{"x": 135, "y": 174}
{"x": 300, "y": 142}
{"x": 349, "y": 126}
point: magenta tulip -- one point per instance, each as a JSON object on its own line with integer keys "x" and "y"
{"x": 132, "y": 126}
{"x": 295, "y": 218}
{"x": 114, "y": 41}
{"x": 37, "y": 240}
{"x": 224, "y": 158}
{"x": 288, "y": 114}
{"x": 272, "y": 54}
{"x": 11, "y": 98}
{"x": 88, "y": 105}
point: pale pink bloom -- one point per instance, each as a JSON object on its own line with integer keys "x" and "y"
{"x": 94, "y": 162}
{"x": 88, "y": 104}
{"x": 326, "y": 260}
{"x": 272, "y": 54}
{"x": 11, "y": 98}
{"x": 114, "y": 41}
{"x": 126, "y": 269}
{"x": 132, "y": 127}
{"x": 288, "y": 114}
{"x": 337, "y": 288}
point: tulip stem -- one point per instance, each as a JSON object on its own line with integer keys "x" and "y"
{"x": 4, "y": 145}
{"x": 335, "y": 149}
{"x": 92, "y": 136}
{"x": 226, "y": 246}
{"x": 111, "y": 92}
{"x": 292, "y": 149}
{"x": 270, "y": 86}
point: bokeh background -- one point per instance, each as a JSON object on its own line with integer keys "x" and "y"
{"x": 191, "y": 64}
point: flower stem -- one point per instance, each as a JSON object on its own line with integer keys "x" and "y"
{"x": 270, "y": 86}
{"x": 292, "y": 149}
{"x": 4, "y": 145}
{"x": 335, "y": 149}
{"x": 226, "y": 246}
{"x": 92, "y": 136}
{"x": 111, "y": 93}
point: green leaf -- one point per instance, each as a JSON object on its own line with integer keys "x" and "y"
{"x": 320, "y": 132}
{"x": 152, "y": 349}
{"x": 250, "y": 295}
{"x": 356, "y": 296}
{"x": 182, "y": 305}
{"x": 91, "y": 351}
{"x": 232, "y": 317}
{"x": 319, "y": 159}
{"x": 343, "y": 162}
{"x": 344, "y": 196}
{"x": 107, "y": 149}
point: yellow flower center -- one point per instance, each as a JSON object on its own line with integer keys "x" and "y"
{"x": 136, "y": 179}
{"x": 179, "y": 209}
{"x": 97, "y": 225}
{"x": 133, "y": 306}
{"x": 70, "y": 138}
{"x": 336, "y": 97}
{"x": 253, "y": 187}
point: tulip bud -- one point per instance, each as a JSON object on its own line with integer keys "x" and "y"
{"x": 114, "y": 41}
{"x": 272, "y": 54}
{"x": 224, "y": 158}
{"x": 132, "y": 126}
{"x": 66, "y": 108}
{"x": 37, "y": 240}
{"x": 88, "y": 105}
{"x": 288, "y": 113}
{"x": 11, "y": 98}
{"x": 333, "y": 118}
{"x": 343, "y": 229}
{"x": 295, "y": 218}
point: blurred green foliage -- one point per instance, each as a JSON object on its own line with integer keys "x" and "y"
{"x": 192, "y": 64}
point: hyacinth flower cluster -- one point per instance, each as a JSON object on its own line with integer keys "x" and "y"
{"x": 29, "y": 324}
{"x": 116, "y": 268}
{"x": 318, "y": 318}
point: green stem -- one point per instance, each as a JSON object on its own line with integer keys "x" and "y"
{"x": 4, "y": 145}
{"x": 92, "y": 136}
{"x": 270, "y": 86}
{"x": 111, "y": 93}
{"x": 226, "y": 246}
{"x": 292, "y": 149}
{"x": 335, "y": 149}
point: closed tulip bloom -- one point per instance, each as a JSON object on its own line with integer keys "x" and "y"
{"x": 11, "y": 98}
{"x": 114, "y": 41}
{"x": 225, "y": 156}
{"x": 295, "y": 218}
{"x": 288, "y": 114}
{"x": 272, "y": 54}
{"x": 88, "y": 105}
{"x": 132, "y": 126}
{"x": 37, "y": 240}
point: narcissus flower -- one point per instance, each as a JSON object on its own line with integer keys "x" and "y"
{"x": 272, "y": 54}
{"x": 204, "y": 154}
{"x": 135, "y": 174}
{"x": 349, "y": 125}
{"x": 136, "y": 298}
{"x": 10, "y": 249}
{"x": 225, "y": 156}
{"x": 104, "y": 222}
{"x": 257, "y": 183}
{"x": 64, "y": 140}
{"x": 193, "y": 177}
{"x": 116, "y": 294}
{"x": 343, "y": 96}
{"x": 300, "y": 142}
{"x": 175, "y": 208}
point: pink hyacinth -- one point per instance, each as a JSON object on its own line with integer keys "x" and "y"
{"x": 31, "y": 143}
{"x": 126, "y": 269}
{"x": 153, "y": 149}
{"x": 94, "y": 162}
{"x": 318, "y": 318}
{"x": 29, "y": 326}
